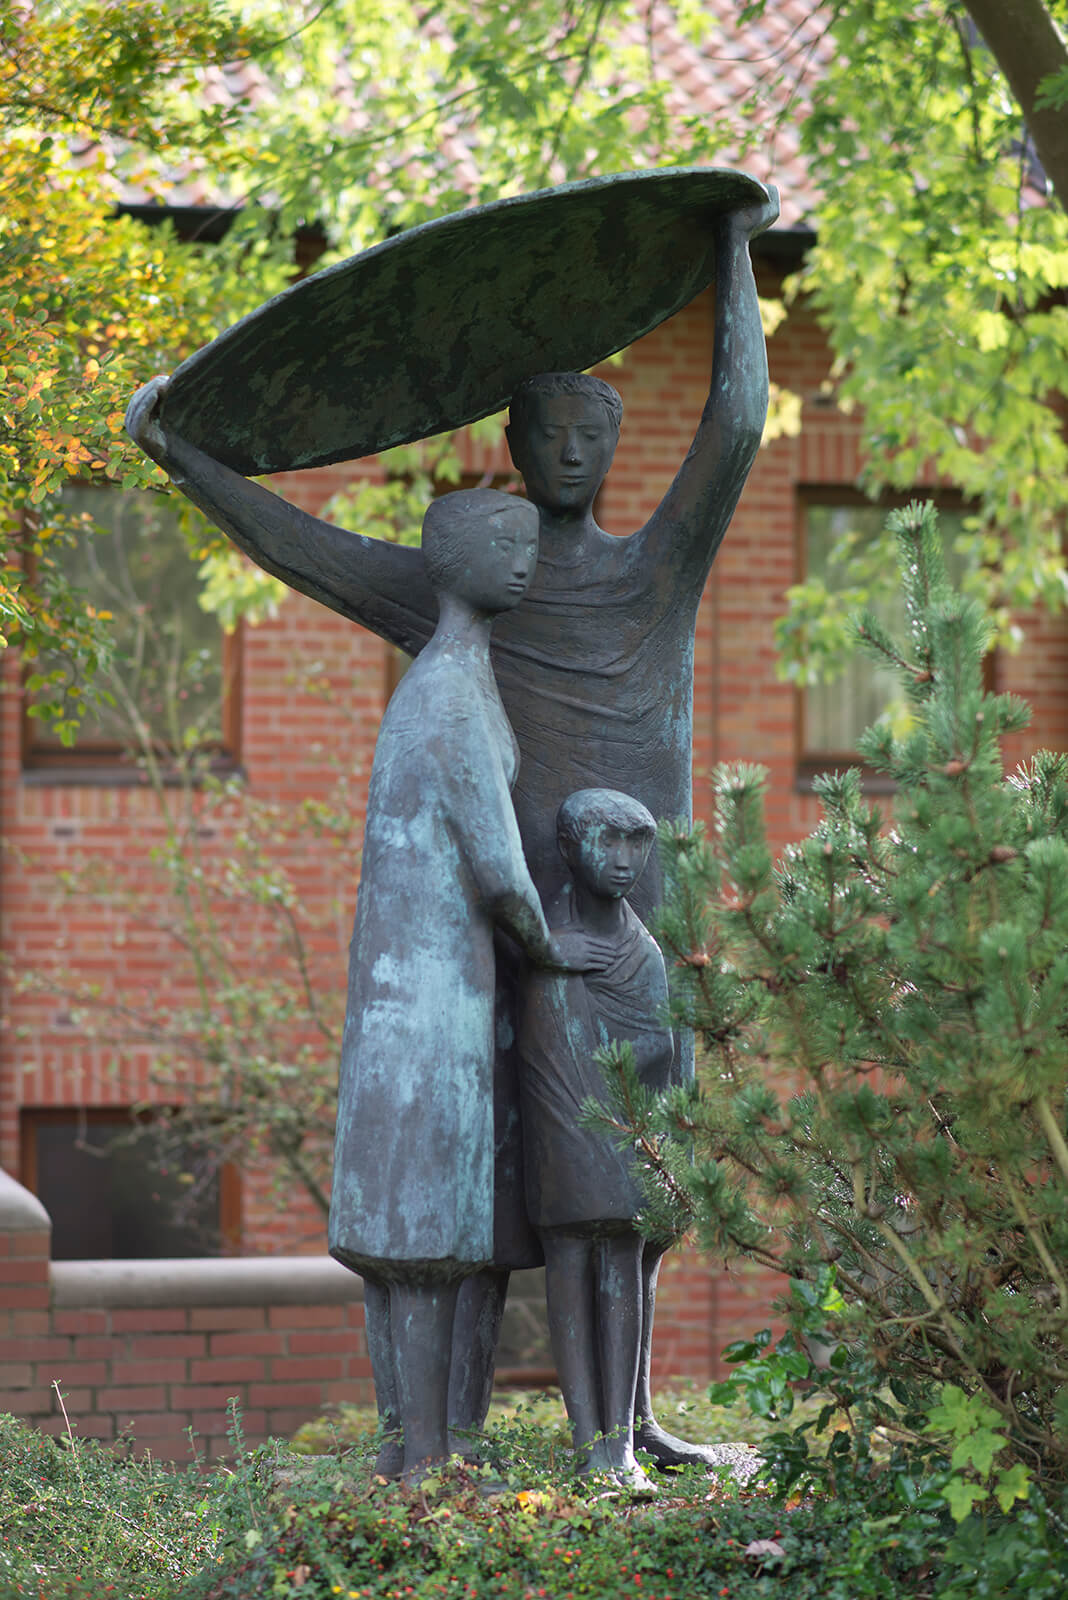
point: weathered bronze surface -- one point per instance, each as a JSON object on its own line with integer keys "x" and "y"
{"x": 578, "y": 1179}
{"x": 595, "y": 667}
{"x": 438, "y": 326}
{"x": 582, "y": 1193}
{"x": 412, "y": 1199}
{"x": 442, "y": 864}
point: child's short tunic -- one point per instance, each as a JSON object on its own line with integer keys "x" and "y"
{"x": 576, "y": 1178}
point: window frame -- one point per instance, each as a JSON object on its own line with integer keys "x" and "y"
{"x": 31, "y": 1117}
{"x": 810, "y": 764}
{"x": 106, "y": 762}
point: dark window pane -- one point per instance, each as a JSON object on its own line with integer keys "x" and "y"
{"x": 168, "y": 671}
{"x": 108, "y": 1200}
{"x": 836, "y": 714}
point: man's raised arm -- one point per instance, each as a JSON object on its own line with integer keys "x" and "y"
{"x": 380, "y": 585}
{"x": 688, "y": 525}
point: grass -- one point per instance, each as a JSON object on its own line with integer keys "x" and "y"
{"x": 312, "y": 1523}
{"x": 684, "y": 1409}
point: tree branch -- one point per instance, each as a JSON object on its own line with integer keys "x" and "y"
{"x": 1024, "y": 41}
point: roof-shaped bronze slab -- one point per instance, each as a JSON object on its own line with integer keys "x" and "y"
{"x": 437, "y": 326}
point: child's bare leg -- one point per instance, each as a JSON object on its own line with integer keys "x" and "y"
{"x": 421, "y": 1318}
{"x": 665, "y": 1449}
{"x": 569, "y": 1292}
{"x": 619, "y": 1324}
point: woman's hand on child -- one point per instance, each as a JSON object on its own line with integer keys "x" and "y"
{"x": 575, "y": 951}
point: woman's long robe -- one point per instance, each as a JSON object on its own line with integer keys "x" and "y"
{"x": 414, "y": 1154}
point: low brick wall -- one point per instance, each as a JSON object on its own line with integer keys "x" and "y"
{"x": 155, "y": 1348}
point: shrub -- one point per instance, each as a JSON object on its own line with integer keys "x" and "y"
{"x": 884, "y": 1021}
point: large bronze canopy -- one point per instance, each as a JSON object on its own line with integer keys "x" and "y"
{"x": 437, "y": 326}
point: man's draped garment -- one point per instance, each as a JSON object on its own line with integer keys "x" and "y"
{"x": 595, "y": 669}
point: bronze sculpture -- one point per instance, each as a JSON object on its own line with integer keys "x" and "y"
{"x": 412, "y": 1199}
{"x": 582, "y": 1193}
{"x": 594, "y": 669}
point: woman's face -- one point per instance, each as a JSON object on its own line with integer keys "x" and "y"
{"x": 501, "y": 561}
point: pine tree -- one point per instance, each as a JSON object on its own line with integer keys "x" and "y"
{"x": 883, "y": 1028}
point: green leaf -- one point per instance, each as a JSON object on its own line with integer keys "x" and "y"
{"x": 978, "y": 1450}
{"x": 1013, "y": 1484}
{"x": 961, "y": 1496}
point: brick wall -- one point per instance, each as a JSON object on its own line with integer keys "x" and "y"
{"x": 742, "y": 712}
{"x": 156, "y": 1350}
{"x": 25, "y": 1296}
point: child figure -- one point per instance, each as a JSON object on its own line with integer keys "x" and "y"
{"x": 582, "y": 1194}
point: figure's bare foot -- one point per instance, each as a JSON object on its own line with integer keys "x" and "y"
{"x": 491, "y": 1488}
{"x": 416, "y": 1475}
{"x": 389, "y": 1462}
{"x": 668, "y": 1452}
{"x": 635, "y": 1481}
{"x": 600, "y": 1468}
{"x": 467, "y": 1443}
{"x": 591, "y": 1460}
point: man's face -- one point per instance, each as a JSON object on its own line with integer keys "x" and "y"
{"x": 564, "y": 450}
{"x": 608, "y": 860}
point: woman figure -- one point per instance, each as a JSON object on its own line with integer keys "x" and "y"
{"x": 412, "y": 1204}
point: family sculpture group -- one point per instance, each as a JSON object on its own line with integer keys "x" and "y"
{"x": 523, "y": 763}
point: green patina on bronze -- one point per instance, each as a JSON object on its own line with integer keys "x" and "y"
{"x": 594, "y": 668}
{"x": 438, "y": 326}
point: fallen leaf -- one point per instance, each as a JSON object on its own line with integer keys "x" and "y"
{"x": 764, "y": 1547}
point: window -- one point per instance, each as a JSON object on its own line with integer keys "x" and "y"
{"x": 832, "y": 716}
{"x": 174, "y": 681}
{"x": 111, "y": 1196}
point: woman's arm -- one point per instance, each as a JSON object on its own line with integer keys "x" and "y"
{"x": 380, "y": 585}
{"x": 483, "y": 824}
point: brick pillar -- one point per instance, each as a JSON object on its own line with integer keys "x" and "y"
{"x": 25, "y": 1252}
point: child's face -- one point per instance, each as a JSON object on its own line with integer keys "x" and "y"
{"x": 609, "y": 861}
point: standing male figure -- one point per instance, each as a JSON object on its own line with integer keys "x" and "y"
{"x": 595, "y": 667}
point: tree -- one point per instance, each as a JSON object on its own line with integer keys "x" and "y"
{"x": 1031, "y": 53}
{"x": 107, "y": 95}
{"x": 939, "y": 273}
{"x": 87, "y": 299}
{"x": 883, "y": 1022}
{"x": 937, "y": 270}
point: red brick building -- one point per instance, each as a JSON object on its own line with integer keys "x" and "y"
{"x": 150, "y": 1353}
{"x": 165, "y": 1345}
